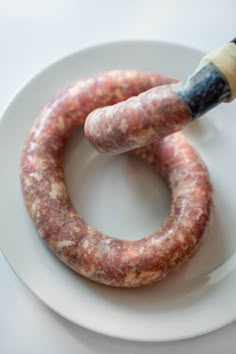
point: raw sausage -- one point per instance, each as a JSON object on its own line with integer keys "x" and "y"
{"x": 92, "y": 254}
{"x": 137, "y": 122}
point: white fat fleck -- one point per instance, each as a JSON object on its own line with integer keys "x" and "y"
{"x": 85, "y": 244}
{"x": 76, "y": 228}
{"x": 155, "y": 241}
{"x": 46, "y": 112}
{"x": 114, "y": 73}
{"x": 27, "y": 182}
{"x": 123, "y": 126}
{"x": 64, "y": 243}
{"x": 55, "y": 190}
{"x": 74, "y": 90}
{"x": 151, "y": 275}
{"x": 60, "y": 123}
{"x": 198, "y": 213}
{"x": 32, "y": 146}
{"x": 149, "y": 135}
{"x": 129, "y": 278}
{"x": 94, "y": 123}
{"x": 109, "y": 129}
{"x": 91, "y": 271}
{"x": 131, "y": 74}
{"x": 175, "y": 256}
{"x": 38, "y": 177}
{"x": 180, "y": 237}
{"x": 35, "y": 205}
{"x": 42, "y": 164}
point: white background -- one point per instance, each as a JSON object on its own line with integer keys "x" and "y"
{"x": 35, "y": 33}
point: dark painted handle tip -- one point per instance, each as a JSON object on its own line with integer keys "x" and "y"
{"x": 233, "y": 40}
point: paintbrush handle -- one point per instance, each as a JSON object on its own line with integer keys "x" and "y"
{"x": 213, "y": 82}
{"x": 225, "y": 61}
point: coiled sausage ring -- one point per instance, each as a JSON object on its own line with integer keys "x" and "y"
{"x": 92, "y": 254}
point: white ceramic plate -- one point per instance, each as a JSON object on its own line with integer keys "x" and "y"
{"x": 121, "y": 196}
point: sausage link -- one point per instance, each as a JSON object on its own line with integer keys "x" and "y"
{"x": 103, "y": 259}
{"x": 138, "y": 121}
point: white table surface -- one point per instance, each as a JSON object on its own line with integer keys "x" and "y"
{"x": 35, "y": 33}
